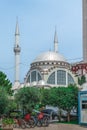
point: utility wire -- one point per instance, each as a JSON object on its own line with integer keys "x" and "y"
{"x": 75, "y": 59}
{"x": 24, "y": 64}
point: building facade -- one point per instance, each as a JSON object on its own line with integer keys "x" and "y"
{"x": 84, "y": 8}
{"x": 80, "y": 68}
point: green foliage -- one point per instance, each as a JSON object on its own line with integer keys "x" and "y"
{"x": 68, "y": 98}
{"x": 7, "y": 121}
{"x": 3, "y": 100}
{"x": 45, "y": 96}
{"x": 27, "y": 98}
{"x": 63, "y": 97}
{"x": 5, "y": 82}
{"x": 11, "y": 106}
{"x": 81, "y": 80}
{"x": 6, "y": 103}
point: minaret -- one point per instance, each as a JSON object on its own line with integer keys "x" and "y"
{"x": 55, "y": 41}
{"x": 17, "y": 50}
{"x": 84, "y": 2}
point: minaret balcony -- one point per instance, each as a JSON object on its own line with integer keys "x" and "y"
{"x": 17, "y": 49}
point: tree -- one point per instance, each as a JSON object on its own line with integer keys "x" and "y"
{"x": 27, "y": 98}
{"x": 65, "y": 98}
{"x": 45, "y": 96}
{"x": 81, "y": 80}
{"x": 11, "y": 106}
{"x": 68, "y": 100}
{"x": 3, "y": 100}
{"x": 56, "y": 98}
{"x": 5, "y": 82}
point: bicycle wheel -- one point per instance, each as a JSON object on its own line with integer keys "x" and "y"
{"x": 45, "y": 121}
{"x": 16, "y": 125}
{"x": 39, "y": 123}
{"x": 27, "y": 125}
{"x": 23, "y": 124}
{"x": 32, "y": 122}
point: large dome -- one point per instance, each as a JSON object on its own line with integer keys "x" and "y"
{"x": 49, "y": 56}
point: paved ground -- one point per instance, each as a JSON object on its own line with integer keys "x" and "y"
{"x": 58, "y": 127}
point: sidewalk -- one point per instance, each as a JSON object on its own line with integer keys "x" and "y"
{"x": 58, "y": 127}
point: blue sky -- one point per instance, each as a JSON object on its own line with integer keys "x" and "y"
{"x": 37, "y": 20}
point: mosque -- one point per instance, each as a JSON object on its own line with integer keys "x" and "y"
{"x": 50, "y": 68}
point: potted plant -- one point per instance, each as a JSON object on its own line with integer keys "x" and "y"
{"x": 7, "y": 124}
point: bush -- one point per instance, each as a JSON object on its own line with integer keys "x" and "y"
{"x": 7, "y": 121}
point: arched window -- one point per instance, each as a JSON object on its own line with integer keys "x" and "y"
{"x": 51, "y": 79}
{"x": 28, "y": 80}
{"x": 33, "y": 76}
{"x": 70, "y": 79}
{"x": 39, "y": 77}
{"x": 61, "y": 77}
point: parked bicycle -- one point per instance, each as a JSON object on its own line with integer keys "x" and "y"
{"x": 42, "y": 119}
{"x": 27, "y": 122}
{"x": 30, "y": 121}
{"x": 19, "y": 123}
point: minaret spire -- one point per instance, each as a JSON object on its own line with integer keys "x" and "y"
{"x": 17, "y": 28}
{"x": 55, "y": 41}
{"x": 17, "y": 50}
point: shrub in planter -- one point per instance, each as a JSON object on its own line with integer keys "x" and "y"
{"x": 7, "y": 123}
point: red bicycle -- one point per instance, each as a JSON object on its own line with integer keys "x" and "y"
{"x": 27, "y": 122}
{"x": 30, "y": 121}
{"x": 42, "y": 119}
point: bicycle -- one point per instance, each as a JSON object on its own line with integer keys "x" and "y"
{"x": 19, "y": 123}
{"x": 30, "y": 121}
{"x": 42, "y": 119}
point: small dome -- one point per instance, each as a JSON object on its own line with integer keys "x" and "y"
{"x": 49, "y": 56}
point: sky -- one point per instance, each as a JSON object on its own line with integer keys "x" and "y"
{"x": 37, "y": 20}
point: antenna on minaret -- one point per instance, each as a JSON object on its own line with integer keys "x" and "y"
{"x": 55, "y": 41}
{"x": 17, "y": 51}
